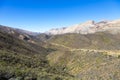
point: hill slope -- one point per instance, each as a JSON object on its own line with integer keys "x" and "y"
{"x": 12, "y": 43}
{"x": 59, "y": 57}
{"x": 87, "y": 65}
{"x": 23, "y": 60}
{"x": 100, "y": 40}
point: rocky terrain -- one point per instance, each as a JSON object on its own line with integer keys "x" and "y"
{"x": 89, "y": 27}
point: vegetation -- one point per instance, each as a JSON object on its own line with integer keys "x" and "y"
{"x": 60, "y": 57}
{"x": 100, "y": 40}
{"x": 12, "y": 43}
{"x": 87, "y": 65}
{"x": 21, "y": 60}
{"x": 27, "y": 67}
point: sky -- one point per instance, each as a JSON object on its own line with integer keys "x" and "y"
{"x": 43, "y": 15}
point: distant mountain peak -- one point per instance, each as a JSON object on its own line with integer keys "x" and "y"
{"x": 89, "y": 27}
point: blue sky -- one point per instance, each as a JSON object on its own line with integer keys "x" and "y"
{"x": 42, "y": 15}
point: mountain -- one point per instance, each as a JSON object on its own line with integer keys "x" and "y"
{"x": 26, "y": 32}
{"x": 89, "y": 27}
{"x": 21, "y": 59}
{"x": 87, "y": 51}
{"x": 103, "y": 35}
{"x": 16, "y": 42}
{"x": 20, "y": 31}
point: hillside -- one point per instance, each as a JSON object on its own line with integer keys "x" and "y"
{"x": 99, "y": 40}
{"x": 70, "y": 56}
{"x": 87, "y": 65}
{"x": 23, "y": 60}
{"x": 12, "y": 43}
{"x": 11, "y": 30}
{"x": 16, "y": 66}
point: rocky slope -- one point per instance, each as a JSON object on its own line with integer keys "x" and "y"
{"x": 89, "y": 27}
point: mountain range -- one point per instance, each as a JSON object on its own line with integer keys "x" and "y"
{"x": 89, "y": 27}
{"x": 86, "y": 51}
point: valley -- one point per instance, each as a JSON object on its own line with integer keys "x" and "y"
{"x": 27, "y": 55}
